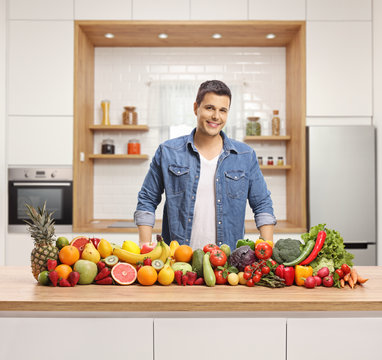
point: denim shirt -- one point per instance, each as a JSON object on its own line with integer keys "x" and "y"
{"x": 175, "y": 170}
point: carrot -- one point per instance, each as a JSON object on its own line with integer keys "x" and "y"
{"x": 354, "y": 275}
{"x": 342, "y": 282}
{"x": 347, "y": 277}
{"x": 351, "y": 283}
{"x": 361, "y": 280}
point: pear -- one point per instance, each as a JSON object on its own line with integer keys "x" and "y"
{"x": 91, "y": 253}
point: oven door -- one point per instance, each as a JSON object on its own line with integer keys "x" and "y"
{"x": 58, "y": 196}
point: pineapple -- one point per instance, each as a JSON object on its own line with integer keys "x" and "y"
{"x": 41, "y": 228}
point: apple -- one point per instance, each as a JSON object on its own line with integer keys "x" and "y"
{"x": 146, "y": 248}
{"x": 95, "y": 242}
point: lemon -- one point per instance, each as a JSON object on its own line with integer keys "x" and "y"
{"x": 104, "y": 248}
{"x": 166, "y": 276}
{"x": 131, "y": 246}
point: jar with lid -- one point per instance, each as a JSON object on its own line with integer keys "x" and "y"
{"x": 105, "y": 105}
{"x": 134, "y": 147}
{"x": 280, "y": 161}
{"x": 270, "y": 160}
{"x": 260, "y": 160}
{"x": 253, "y": 127}
{"x": 108, "y": 146}
{"x": 130, "y": 116}
{"x": 275, "y": 123}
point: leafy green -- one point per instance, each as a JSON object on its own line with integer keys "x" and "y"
{"x": 333, "y": 249}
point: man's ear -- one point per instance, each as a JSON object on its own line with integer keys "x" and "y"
{"x": 195, "y": 108}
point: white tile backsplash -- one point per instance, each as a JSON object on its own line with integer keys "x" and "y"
{"x": 125, "y": 76}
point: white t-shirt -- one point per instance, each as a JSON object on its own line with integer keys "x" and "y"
{"x": 204, "y": 222}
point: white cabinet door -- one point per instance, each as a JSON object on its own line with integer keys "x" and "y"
{"x": 350, "y": 339}
{"x": 76, "y": 338}
{"x": 339, "y": 69}
{"x": 219, "y": 338}
{"x": 338, "y": 9}
{"x": 276, "y": 10}
{"x": 40, "y": 68}
{"x": 219, "y": 10}
{"x": 40, "y": 9}
{"x": 103, "y": 10}
{"x": 34, "y": 140}
{"x": 161, "y": 10}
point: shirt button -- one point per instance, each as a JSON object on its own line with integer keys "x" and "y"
{"x": 193, "y": 197}
{"x": 220, "y": 222}
{"x": 196, "y": 176}
{"x": 218, "y": 200}
{"x": 178, "y": 172}
{"x": 217, "y": 179}
{"x": 189, "y": 220}
{"x": 235, "y": 177}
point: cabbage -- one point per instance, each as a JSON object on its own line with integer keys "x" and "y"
{"x": 241, "y": 257}
{"x": 322, "y": 262}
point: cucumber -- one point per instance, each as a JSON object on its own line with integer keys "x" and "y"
{"x": 197, "y": 262}
{"x": 304, "y": 254}
{"x": 208, "y": 273}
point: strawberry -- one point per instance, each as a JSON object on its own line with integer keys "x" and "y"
{"x": 51, "y": 264}
{"x": 147, "y": 261}
{"x": 139, "y": 265}
{"x": 199, "y": 281}
{"x": 104, "y": 273}
{"x": 105, "y": 281}
{"x": 73, "y": 278}
{"x": 64, "y": 283}
{"x": 100, "y": 265}
{"x": 184, "y": 279}
{"x": 178, "y": 276}
{"x": 53, "y": 277}
{"x": 191, "y": 277}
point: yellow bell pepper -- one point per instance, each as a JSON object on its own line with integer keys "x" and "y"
{"x": 260, "y": 240}
{"x": 301, "y": 273}
{"x": 173, "y": 246}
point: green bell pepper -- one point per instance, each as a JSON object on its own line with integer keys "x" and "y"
{"x": 243, "y": 242}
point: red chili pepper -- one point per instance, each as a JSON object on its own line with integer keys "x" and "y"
{"x": 321, "y": 236}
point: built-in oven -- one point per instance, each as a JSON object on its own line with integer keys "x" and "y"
{"x": 35, "y": 186}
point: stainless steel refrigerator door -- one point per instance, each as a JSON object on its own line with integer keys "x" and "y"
{"x": 342, "y": 181}
{"x": 366, "y": 256}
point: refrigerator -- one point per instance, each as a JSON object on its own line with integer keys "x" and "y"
{"x": 341, "y": 172}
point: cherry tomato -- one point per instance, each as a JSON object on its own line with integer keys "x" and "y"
{"x": 345, "y": 268}
{"x": 248, "y": 268}
{"x": 218, "y": 257}
{"x": 258, "y": 272}
{"x": 265, "y": 269}
{"x": 340, "y": 273}
{"x": 256, "y": 278}
{"x": 263, "y": 251}
{"x": 250, "y": 283}
{"x": 220, "y": 280}
{"x": 273, "y": 263}
{"x": 210, "y": 247}
{"x": 247, "y": 275}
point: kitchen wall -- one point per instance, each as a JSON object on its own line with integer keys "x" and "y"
{"x": 139, "y": 77}
{"x": 344, "y": 45}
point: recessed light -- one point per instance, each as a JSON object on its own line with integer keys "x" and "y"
{"x": 270, "y": 36}
{"x": 109, "y": 35}
{"x": 217, "y": 36}
{"x": 163, "y": 36}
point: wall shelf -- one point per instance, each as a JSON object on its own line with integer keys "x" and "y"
{"x": 119, "y": 156}
{"x": 275, "y": 167}
{"x": 119, "y": 127}
{"x": 267, "y": 138}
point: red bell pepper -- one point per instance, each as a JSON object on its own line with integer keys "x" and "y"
{"x": 286, "y": 273}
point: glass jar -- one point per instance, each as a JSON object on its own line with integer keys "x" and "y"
{"x": 253, "y": 126}
{"x": 260, "y": 160}
{"x": 130, "y": 116}
{"x": 108, "y": 146}
{"x": 105, "y": 105}
{"x": 134, "y": 147}
{"x": 275, "y": 123}
{"x": 280, "y": 161}
{"x": 270, "y": 160}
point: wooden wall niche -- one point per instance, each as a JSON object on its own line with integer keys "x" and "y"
{"x": 90, "y": 34}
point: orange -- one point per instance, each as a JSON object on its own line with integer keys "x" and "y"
{"x": 183, "y": 253}
{"x": 69, "y": 254}
{"x": 147, "y": 275}
{"x": 63, "y": 271}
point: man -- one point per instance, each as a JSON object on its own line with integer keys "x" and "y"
{"x": 207, "y": 179}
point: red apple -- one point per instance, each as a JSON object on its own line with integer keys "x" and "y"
{"x": 95, "y": 242}
{"x": 146, "y": 248}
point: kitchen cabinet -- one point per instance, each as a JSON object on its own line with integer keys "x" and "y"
{"x": 338, "y": 9}
{"x": 40, "y": 10}
{"x": 276, "y": 9}
{"x": 218, "y": 10}
{"x": 40, "y": 66}
{"x": 219, "y": 338}
{"x": 75, "y": 338}
{"x": 329, "y": 338}
{"x": 103, "y": 10}
{"x": 339, "y": 68}
{"x": 44, "y": 140}
{"x": 161, "y": 10}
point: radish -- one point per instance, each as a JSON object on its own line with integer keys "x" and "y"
{"x": 328, "y": 281}
{"x": 310, "y": 282}
{"x": 323, "y": 272}
{"x": 318, "y": 280}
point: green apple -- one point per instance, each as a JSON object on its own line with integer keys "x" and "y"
{"x": 226, "y": 249}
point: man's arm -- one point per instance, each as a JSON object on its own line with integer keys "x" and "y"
{"x": 266, "y": 232}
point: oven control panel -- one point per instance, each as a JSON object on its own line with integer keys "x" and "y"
{"x": 15, "y": 174}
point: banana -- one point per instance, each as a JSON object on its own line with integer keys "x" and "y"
{"x": 132, "y": 258}
{"x": 166, "y": 252}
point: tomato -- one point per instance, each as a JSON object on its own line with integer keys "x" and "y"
{"x": 218, "y": 257}
{"x": 256, "y": 278}
{"x": 263, "y": 251}
{"x": 210, "y": 247}
{"x": 247, "y": 275}
{"x": 258, "y": 272}
{"x": 345, "y": 268}
{"x": 220, "y": 280}
{"x": 340, "y": 273}
{"x": 248, "y": 268}
{"x": 250, "y": 283}
{"x": 273, "y": 263}
{"x": 265, "y": 269}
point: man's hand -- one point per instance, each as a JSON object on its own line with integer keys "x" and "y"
{"x": 266, "y": 232}
{"x": 145, "y": 234}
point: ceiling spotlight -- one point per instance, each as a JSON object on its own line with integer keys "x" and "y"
{"x": 163, "y": 36}
{"x": 109, "y": 36}
{"x": 217, "y": 36}
{"x": 270, "y": 36}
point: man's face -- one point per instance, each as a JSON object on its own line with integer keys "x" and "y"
{"x": 212, "y": 113}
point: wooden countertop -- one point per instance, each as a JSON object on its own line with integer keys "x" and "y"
{"x": 20, "y": 292}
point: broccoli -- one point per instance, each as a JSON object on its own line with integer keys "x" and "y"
{"x": 286, "y": 250}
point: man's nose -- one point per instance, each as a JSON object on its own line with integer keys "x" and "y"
{"x": 215, "y": 114}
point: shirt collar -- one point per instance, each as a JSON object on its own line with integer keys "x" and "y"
{"x": 228, "y": 146}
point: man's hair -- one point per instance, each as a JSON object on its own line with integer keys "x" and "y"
{"x": 215, "y": 86}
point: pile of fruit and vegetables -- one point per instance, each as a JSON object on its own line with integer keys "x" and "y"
{"x": 318, "y": 259}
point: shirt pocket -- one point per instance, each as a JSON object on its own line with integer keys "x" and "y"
{"x": 236, "y": 183}
{"x": 178, "y": 178}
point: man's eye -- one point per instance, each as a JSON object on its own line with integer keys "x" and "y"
{"x": 223, "y": 110}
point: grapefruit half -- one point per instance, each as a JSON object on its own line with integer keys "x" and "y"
{"x": 79, "y": 242}
{"x": 124, "y": 273}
